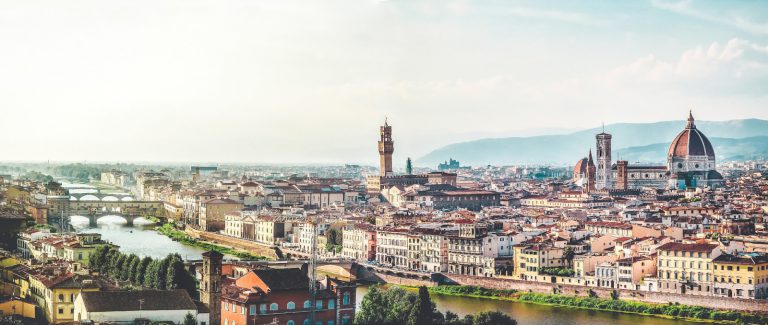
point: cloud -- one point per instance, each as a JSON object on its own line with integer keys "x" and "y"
{"x": 731, "y": 19}
{"x": 736, "y": 65}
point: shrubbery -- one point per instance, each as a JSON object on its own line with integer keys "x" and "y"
{"x": 558, "y": 271}
{"x": 471, "y": 291}
{"x": 675, "y": 310}
{"x": 180, "y": 236}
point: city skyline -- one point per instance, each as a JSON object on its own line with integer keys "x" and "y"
{"x": 286, "y": 82}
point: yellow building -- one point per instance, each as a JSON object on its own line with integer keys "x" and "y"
{"x": 529, "y": 258}
{"x": 212, "y": 213}
{"x": 6, "y": 274}
{"x": 55, "y": 294}
{"x": 17, "y": 307}
{"x": 744, "y": 276}
{"x": 686, "y": 268}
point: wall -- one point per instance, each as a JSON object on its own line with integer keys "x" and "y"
{"x": 238, "y": 243}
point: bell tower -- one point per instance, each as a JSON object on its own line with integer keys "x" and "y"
{"x": 603, "y": 176}
{"x": 210, "y": 284}
{"x": 386, "y": 148}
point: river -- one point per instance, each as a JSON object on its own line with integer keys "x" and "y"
{"x": 140, "y": 239}
{"x": 533, "y": 314}
{"x": 144, "y": 241}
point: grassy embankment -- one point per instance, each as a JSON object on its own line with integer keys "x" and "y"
{"x": 180, "y": 236}
{"x": 694, "y": 313}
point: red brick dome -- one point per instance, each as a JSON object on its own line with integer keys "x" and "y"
{"x": 690, "y": 142}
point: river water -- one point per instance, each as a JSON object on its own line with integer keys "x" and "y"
{"x": 140, "y": 239}
{"x": 144, "y": 241}
{"x": 532, "y": 314}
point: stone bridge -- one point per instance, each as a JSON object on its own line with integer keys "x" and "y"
{"x": 107, "y": 197}
{"x": 339, "y": 268}
{"x": 128, "y": 210}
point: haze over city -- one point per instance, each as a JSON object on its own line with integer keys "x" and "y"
{"x": 309, "y": 82}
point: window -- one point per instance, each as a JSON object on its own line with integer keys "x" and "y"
{"x": 330, "y": 322}
{"x": 291, "y": 305}
{"x": 331, "y": 304}
{"x": 61, "y": 310}
{"x": 346, "y": 298}
{"x": 306, "y": 322}
{"x": 307, "y": 304}
{"x": 319, "y": 304}
{"x": 273, "y": 306}
{"x": 61, "y": 298}
{"x": 253, "y": 310}
{"x": 226, "y": 306}
{"x": 263, "y": 308}
{"x": 290, "y": 322}
{"x": 242, "y": 310}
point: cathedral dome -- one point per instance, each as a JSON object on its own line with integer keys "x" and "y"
{"x": 581, "y": 167}
{"x": 690, "y": 142}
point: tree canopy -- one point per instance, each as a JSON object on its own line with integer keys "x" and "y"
{"x": 398, "y": 306}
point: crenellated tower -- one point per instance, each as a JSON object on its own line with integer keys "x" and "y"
{"x": 386, "y": 148}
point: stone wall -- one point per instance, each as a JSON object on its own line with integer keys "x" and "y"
{"x": 747, "y": 305}
{"x": 366, "y": 275}
{"x": 237, "y": 243}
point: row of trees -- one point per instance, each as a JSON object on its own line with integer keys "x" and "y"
{"x": 397, "y": 306}
{"x": 163, "y": 274}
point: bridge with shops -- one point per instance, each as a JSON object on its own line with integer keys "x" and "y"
{"x": 95, "y": 210}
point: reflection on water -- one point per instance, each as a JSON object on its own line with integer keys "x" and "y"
{"x": 532, "y": 314}
{"x": 139, "y": 239}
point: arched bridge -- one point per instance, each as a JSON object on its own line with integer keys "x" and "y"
{"x": 338, "y": 268}
{"x": 106, "y": 197}
{"x": 129, "y": 210}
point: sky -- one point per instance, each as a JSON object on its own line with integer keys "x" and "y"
{"x": 287, "y": 81}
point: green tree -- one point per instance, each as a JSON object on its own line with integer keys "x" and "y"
{"x": 373, "y": 308}
{"x": 128, "y": 267}
{"x": 568, "y": 255}
{"x": 491, "y": 318}
{"x": 141, "y": 270}
{"x": 179, "y": 278}
{"x": 425, "y": 311}
{"x": 189, "y": 319}
{"x": 150, "y": 276}
{"x": 117, "y": 271}
{"x": 162, "y": 272}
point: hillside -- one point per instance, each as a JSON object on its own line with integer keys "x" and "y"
{"x": 738, "y": 139}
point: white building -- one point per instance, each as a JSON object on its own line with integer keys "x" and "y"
{"x": 127, "y": 306}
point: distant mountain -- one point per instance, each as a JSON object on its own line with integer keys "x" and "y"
{"x": 648, "y": 142}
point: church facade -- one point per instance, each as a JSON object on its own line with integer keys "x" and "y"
{"x": 690, "y": 163}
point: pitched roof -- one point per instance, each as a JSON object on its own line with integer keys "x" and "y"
{"x": 102, "y": 301}
{"x": 687, "y": 247}
{"x": 283, "y": 279}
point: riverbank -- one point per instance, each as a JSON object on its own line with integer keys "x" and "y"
{"x": 177, "y": 235}
{"x": 670, "y": 311}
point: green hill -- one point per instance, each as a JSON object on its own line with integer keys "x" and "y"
{"x": 733, "y": 140}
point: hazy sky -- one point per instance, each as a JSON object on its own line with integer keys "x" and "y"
{"x": 310, "y": 81}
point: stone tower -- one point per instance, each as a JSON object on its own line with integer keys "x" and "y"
{"x": 591, "y": 171}
{"x": 210, "y": 284}
{"x": 603, "y": 176}
{"x": 386, "y": 148}
{"x": 621, "y": 175}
